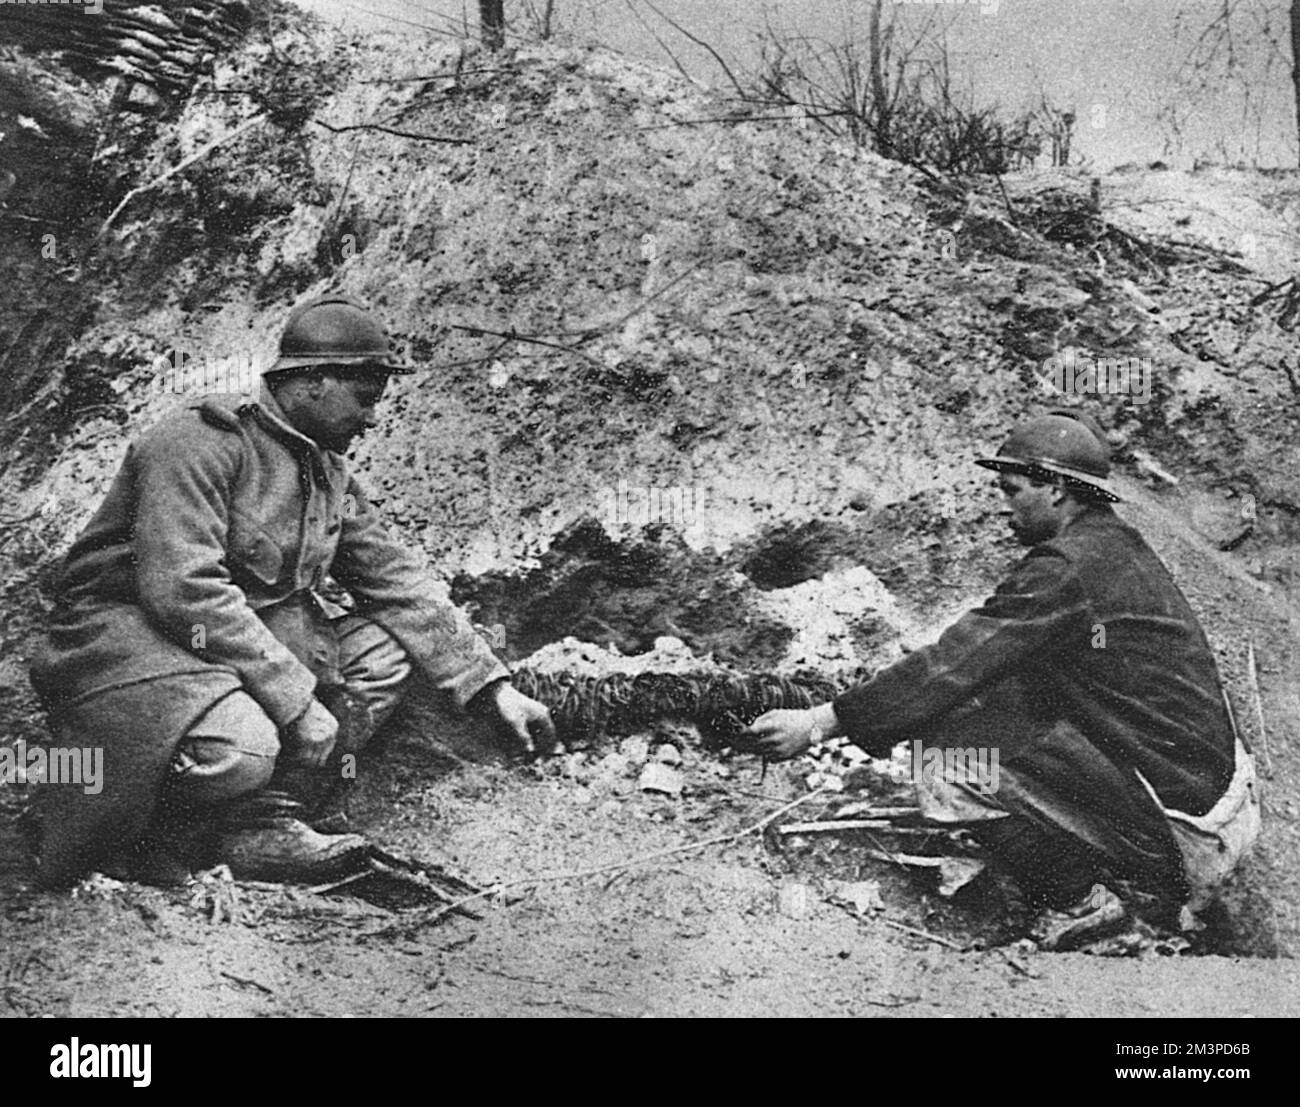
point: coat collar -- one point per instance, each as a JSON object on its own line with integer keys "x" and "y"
{"x": 271, "y": 416}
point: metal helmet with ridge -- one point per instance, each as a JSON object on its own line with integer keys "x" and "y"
{"x": 1060, "y": 445}
{"x": 336, "y": 330}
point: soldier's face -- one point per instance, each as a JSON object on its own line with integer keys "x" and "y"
{"x": 1033, "y": 509}
{"x": 340, "y": 408}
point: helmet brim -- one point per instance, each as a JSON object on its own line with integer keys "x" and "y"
{"x": 380, "y": 365}
{"x": 1040, "y": 468}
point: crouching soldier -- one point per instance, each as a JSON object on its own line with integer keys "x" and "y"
{"x": 1122, "y": 786}
{"x": 196, "y": 637}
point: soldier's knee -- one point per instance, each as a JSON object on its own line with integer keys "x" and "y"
{"x": 228, "y": 752}
{"x": 223, "y": 774}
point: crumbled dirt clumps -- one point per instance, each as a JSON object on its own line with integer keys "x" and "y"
{"x": 690, "y": 394}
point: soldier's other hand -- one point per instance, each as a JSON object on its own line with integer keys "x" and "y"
{"x": 528, "y": 721}
{"x": 780, "y": 735}
{"x": 313, "y": 734}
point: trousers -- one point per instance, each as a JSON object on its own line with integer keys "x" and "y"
{"x": 1065, "y": 815}
{"x": 231, "y": 750}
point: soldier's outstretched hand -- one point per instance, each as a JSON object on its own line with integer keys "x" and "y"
{"x": 780, "y": 735}
{"x": 524, "y": 718}
{"x": 783, "y": 734}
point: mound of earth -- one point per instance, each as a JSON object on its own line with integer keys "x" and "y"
{"x": 684, "y": 375}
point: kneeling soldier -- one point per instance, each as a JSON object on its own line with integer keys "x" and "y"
{"x": 1089, "y": 677}
{"x": 196, "y": 636}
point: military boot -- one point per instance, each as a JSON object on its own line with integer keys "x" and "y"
{"x": 1097, "y": 915}
{"x": 264, "y": 837}
{"x": 321, "y": 794}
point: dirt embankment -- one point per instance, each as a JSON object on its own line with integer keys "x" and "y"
{"x": 795, "y": 345}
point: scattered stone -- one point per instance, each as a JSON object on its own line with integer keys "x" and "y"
{"x": 668, "y": 754}
{"x": 956, "y": 872}
{"x": 616, "y": 765}
{"x": 658, "y": 777}
{"x": 862, "y": 895}
{"x": 635, "y": 748}
{"x": 854, "y": 755}
{"x": 575, "y": 767}
{"x": 795, "y": 901}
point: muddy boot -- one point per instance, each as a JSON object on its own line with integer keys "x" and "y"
{"x": 321, "y": 795}
{"x": 265, "y": 838}
{"x": 332, "y": 817}
{"x": 1099, "y": 914}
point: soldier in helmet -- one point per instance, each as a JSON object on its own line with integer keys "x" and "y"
{"x": 234, "y": 623}
{"x": 1122, "y": 788}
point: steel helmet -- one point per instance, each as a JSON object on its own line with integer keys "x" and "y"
{"x": 336, "y": 330}
{"x": 1060, "y": 445}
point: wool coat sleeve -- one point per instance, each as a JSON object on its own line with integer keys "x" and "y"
{"x": 1039, "y": 610}
{"x": 392, "y": 587}
{"x": 183, "y": 489}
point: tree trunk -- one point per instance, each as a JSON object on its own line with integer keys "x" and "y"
{"x": 492, "y": 23}
{"x": 1295, "y": 58}
{"x": 884, "y": 124}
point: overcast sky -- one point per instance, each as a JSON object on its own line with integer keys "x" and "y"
{"x": 1114, "y": 61}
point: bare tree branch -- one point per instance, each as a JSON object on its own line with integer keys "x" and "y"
{"x": 698, "y": 42}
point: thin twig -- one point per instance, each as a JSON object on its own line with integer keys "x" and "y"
{"x": 323, "y": 889}
{"x": 1271, "y": 289}
{"x": 699, "y": 42}
{"x": 1011, "y": 211}
{"x": 726, "y": 119}
{"x": 185, "y": 163}
{"x": 333, "y": 222}
{"x": 408, "y": 925}
{"x": 917, "y": 932}
{"x": 904, "y": 927}
{"x": 648, "y": 300}
{"x": 451, "y": 75}
{"x": 1023, "y": 970}
{"x": 515, "y": 336}
{"x": 662, "y": 44}
{"x": 887, "y": 854}
{"x": 420, "y": 136}
{"x": 835, "y": 826}
{"x": 412, "y": 880}
{"x": 248, "y": 982}
{"x": 867, "y": 811}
